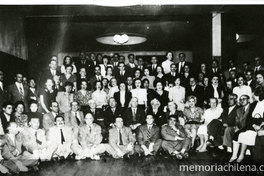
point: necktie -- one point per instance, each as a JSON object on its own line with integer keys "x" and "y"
{"x": 78, "y": 121}
{"x": 90, "y": 129}
{"x": 120, "y": 138}
{"x": 243, "y": 110}
{"x": 180, "y": 65}
{"x": 21, "y": 92}
{"x": 1, "y": 86}
{"x": 134, "y": 114}
{"x": 62, "y": 137}
{"x": 148, "y": 132}
{"x": 256, "y": 69}
{"x": 38, "y": 141}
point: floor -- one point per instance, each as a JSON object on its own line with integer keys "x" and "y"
{"x": 137, "y": 166}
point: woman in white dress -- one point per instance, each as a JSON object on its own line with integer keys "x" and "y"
{"x": 214, "y": 112}
{"x": 99, "y": 96}
{"x": 166, "y": 64}
{"x": 177, "y": 94}
{"x": 113, "y": 88}
{"x": 242, "y": 89}
{"x": 104, "y": 65}
{"x": 140, "y": 94}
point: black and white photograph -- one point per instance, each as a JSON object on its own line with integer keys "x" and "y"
{"x": 131, "y": 88}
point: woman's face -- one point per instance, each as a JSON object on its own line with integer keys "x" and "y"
{"x": 20, "y": 109}
{"x": 122, "y": 87}
{"x": 114, "y": 82}
{"x": 146, "y": 72}
{"x": 68, "y": 60}
{"x": 159, "y": 70}
{"x": 159, "y": 86}
{"x": 68, "y": 70}
{"x": 203, "y": 67}
{"x": 259, "y": 79}
{"x": 191, "y": 102}
{"x": 138, "y": 83}
{"x": 109, "y": 71}
{"x": 84, "y": 85}
{"x": 49, "y": 84}
{"x": 240, "y": 81}
{"x": 105, "y": 61}
{"x": 98, "y": 86}
{"x": 177, "y": 82}
{"x": 137, "y": 74}
{"x": 169, "y": 56}
{"x": 206, "y": 80}
{"x": 200, "y": 77}
{"x": 105, "y": 82}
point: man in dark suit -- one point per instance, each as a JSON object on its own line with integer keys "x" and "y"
{"x": 218, "y": 127}
{"x": 249, "y": 78}
{"x": 5, "y": 116}
{"x": 123, "y": 94}
{"x": 157, "y": 113}
{"x": 111, "y": 112}
{"x": 153, "y": 66}
{"x": 115, "y": 62}
{"x": 180, "y": 65}
{"x": 122, "y": 74}
{"x": 32, "y": 91}
{"x": 96, "y": 77}
{"x": 131, "y": 66}
{"x": 3, "y": 92}
{"x": 195, "y": 90}
{"x": 134, "y": 115}
{"x": 140, "y": 65}
{"x": 48, "y": 73}
{"x": 214, "y": 90}
{"x": 258, "y": 67}
{"x": 148, "y": 138}
{"x": 170, "y": 77}
{"x": 214, "y": 70}
{"x": 81, "y": 62}
{"x": 48, "y": 119}
{"x": 18, "y": 91}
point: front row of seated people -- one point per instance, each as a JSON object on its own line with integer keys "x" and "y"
{"x": 22, "y": 150}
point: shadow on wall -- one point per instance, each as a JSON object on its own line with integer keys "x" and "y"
{"x": 10, "y": 65}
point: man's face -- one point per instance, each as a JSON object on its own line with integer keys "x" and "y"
{"x": 69, "y": 70}
{"x": 122, "y": 86}
{"x": 214, "y": 64}
{"x": 75, "y": 106}
{"x": 248, "y": 76}
{"x": 229, "y": 85}
{"x": 171, "y": 106}
{"x": 129, "y": 80}
{"x": 215, "y": 80}
{"x": 186, "y": 69}
{"x": 192, "y": 82}
{"x": 113, "y": 82}
{"x": 32, "y": 83}
{"x": 155, "y": 105}
{"x": 115, "y": 58}
{"x": 112, "y": 103}
{"x": 131, "y": 59}
{"x": 92, "y": 104}
{"x": 137, "y": 83}
{"x": 89, "y": 119}
{"x": 34, "y": 123}
{"x": 13, "y": 128}
{"x": 59, "y": 122}
{"x": 98, "y": 86}
{"x": 56, "y": 79}
{"x": 154, "y": 60}
{"x": 257, "y": 61}
{"x": 92, "y": 56}
{"x": 173, "y": 68}
{"x": 140, "y": 61}
{"x": 137, "y": 74}
{"x": 259, "y": 79}
{"x": 84, "y": 85}
{"x": 1, "y": 76}
{"x": 121, "y": 59}
{"x": 33, "y": 107}
{"x": 181, "y": 57}
{"x": 134, "y": 103}
{"x": 20, "y": 109}
{"x": 231, "y": 64}
{"x": 83, "y": 72}
{"x": 53, "y": 65}
{"x": 82, "y": 56}
{"x": 231, "y": 100}
{"x": 245, "y": 66}
{"x": 8, "y": 110}
{"x": 243, "y": 100}
{"x": 232, "y": 74}
{"x": 149, "y": 119}
{"x": 97, "y": 71}
{"x": 146, "y": 84}
{"x": 55, "y": 107}
{"x": 121, "y": 67}
{"x": 119, "y": 122}
{"x": 19, "y": 78}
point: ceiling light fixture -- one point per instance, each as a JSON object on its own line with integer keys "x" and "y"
{"x": 121, "y": 39}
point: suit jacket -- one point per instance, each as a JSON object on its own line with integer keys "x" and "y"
{"x": 131, "y": 70}
{"x": 128, "y": 97}
{"x": 169, "y": 78}
{"x": 98, "y": 115}
{"x": 209, "y": 92}
{"x": 29, "y": 139}
{"x": 46, "y": 74}
{"x": 252, "y": 85}
{"x": 169, "y": 134}
{"x": 241, "y": 117}
{"x": 32, "y": 95}
{"x": 3, "y": 96}
{"x": 142, "y": 135}
{"x": 4, "y": 121}
{"x": 159, "y": 118}
{"x": 153, "y": 71}
{"x": 14, "y": 94}
{"x": 11, "y": 148}
{"x": 127, "y": 137}
{"x": 54, "y": 135}
{"x": 48, "y": 121}
{"x": 182, "y": 67}
{"x": 79, "y": 64}
{"x": 109, "y": 116}
{"x": 140, "y": 117}
{"x": 229, "y": 119}
{"x": 86, "y": 138}
{"x": 71, "y": 120}
{"x": 92, "y": 81}
{"x": 123, "y": 78}
{"x": 211, "y": 72}
{"x": 198, "y": 93}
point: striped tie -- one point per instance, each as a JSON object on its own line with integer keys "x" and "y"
{"x": 148, "y": 132}
{"x": 21, "y": 92}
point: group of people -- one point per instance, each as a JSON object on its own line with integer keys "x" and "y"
{"x": 122, "y": 107}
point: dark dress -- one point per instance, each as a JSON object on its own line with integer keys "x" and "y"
{"x": 48, "y": 98}
{"x": 163, "y": 98}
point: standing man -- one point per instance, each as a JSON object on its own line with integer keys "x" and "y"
{"x": 180, "y": 65}
{"x": 3, "y": 92}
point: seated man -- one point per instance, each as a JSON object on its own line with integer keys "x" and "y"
{"x": 34, "y": 141}
{"x": 12, "y": 149}
{"x": 62, "y": 140}
{"x": 48, "y": 119}
{"x": 148, "y": 138}
{"x": 121, "y": 139}
{"x": 135, "y": 116}
{"x": 74, "y": 117}
{"x": 90, "y": 138}
{"x": 111, "y": 112}
{"x": 175, "y": 138}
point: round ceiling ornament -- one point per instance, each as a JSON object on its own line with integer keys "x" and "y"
{"x": 121, "y": 39}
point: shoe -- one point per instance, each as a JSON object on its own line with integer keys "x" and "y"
{"x": 185, "y": 155}
{"x": 210, "y": 143}
{"x": 126, "y": 156}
